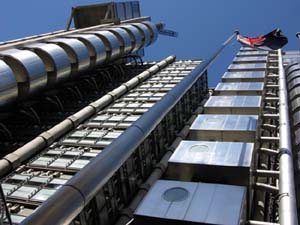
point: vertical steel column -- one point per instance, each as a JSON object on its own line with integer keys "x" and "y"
{"x": 287, "y": 197}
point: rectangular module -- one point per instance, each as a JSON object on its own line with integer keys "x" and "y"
{"x": 183, "y": 203}
{"x": 248, "y": 67}
{"x": 246, "y": 76}
{"x": 244, "y": 48}
{"x": 232, "y": 128}
{"x": 212, "y": 162}
{"x": 252, "y": 53}
{"x": 239, "y": 88}
{"x": 250, "y": 59}
{"x": 233, "y": 105}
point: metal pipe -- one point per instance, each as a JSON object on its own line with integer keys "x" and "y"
{"x": 42, "y": 37}
{"x": 267, "y": 173}
{"x": 268, "y": 151}
{"x": 114, "y": 155}
{"x": 253, "y": 222}
{"x": 287, "y": 200}
{"x": 266, "y": 187}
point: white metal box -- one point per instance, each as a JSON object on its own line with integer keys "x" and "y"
{"x": 246, "y": 76}
{"x": 233, "y": 105}
{"x": 213, "y": 162}
{"x": 248, "y": 67}
{"x": 175, "y": 202}
{"x": 250, "y": 59}
{"x": 236, "y": 128}
{"x": 239, "y": 88}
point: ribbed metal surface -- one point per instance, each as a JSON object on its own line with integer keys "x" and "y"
{"x": 8, "y": 84}
{"x": 95, "y": 46}
{"x": 135, "y": 36}
{"x": 56, "y": 60}
{"x": 111, "y": 42}
{"x": 124, "y": 39}
{"x": 77, "y": 52}
{"x": 53, "y": 60}
{"x": 29, "y": 69}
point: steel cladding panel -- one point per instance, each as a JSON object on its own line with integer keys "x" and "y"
{"x": 233, "y": 105}
{"x": 239, "y": 88}
{"x": 248, "y": 67}
{"x": 211, "y": 127}
{"x": 77, "y": 49}
{"x": 248, "y": 49}
{"x": 252, "y": 53}
{"x": 295, "y": 93}
{"x": 293, "y": 75}
{"x": 250, "y": 59}
{"x": 293, "y": 68}
{"x": 95, "y": 46}
{"x": 145, "y": 31}
{"x": 110, "y": 40}
{"x": 56, "y": 59}
{"x": 27, "y": 67}
{"x": 187, "y": 202}
{"x": 246, "y": 76}
{"x": 8, "y": 84}
{"x": 213, "y": 162}
{"x": 153, "y": 29}
{"x": 135, "y": 34}
{"x": 125, "y": 38}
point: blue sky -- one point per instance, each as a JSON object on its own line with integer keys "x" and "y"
{"x": 202, "y": 24}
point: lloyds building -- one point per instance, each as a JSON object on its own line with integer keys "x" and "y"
{"x": 90, "y": 133}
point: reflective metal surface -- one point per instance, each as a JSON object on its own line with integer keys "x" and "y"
{"x": 242, "y": 49}
{"x": 237, "y": 128}
{"x": 153, "y": 29}
{"x": 295, "y": 93}
{"x": 55, "y": 59}
{"x": 253, "y": 53}
{"x": 145, "y": 32}
{"x": 248, "y": 67}
{"x": 246, "y": 76}
{"x": 95, "y": 46}
{"x": 187, "y": 202}
{"x": 135, "y": 36}
{"x": 77, "y": 52}
{"x": 236, "y": 88}
{"x": 293, "y": 75}
{"x": 8, "y": 84}
{"x": 124, "y": 39}
{"x": 111, "y": 42}
{"x": 252, "y": 59}
{"x": 233, "y": 105}
{"x": 296, "y": 120}
{"x": 294, "y": 83}
{"x": 213, "y": 162}
{"x": 29, "y": 69}
{"x": 290, "y": 69}
{"x": 295, "y": 105}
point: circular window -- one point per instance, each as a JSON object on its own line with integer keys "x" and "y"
{"x": 199, "y": 149}
{"x": 175, "y": 194}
